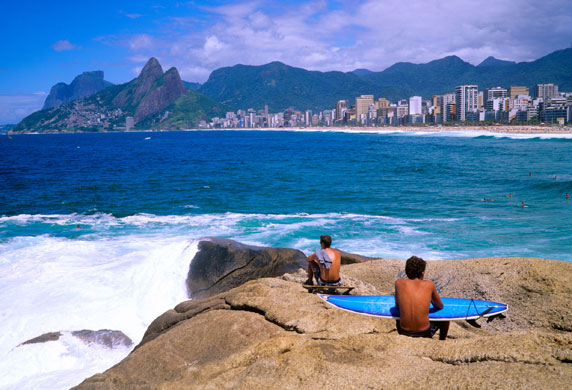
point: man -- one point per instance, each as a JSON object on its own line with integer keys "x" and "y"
{"x": 324, "y": 265}
{"x": 412, "y": 298}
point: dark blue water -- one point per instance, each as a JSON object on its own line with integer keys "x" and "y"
{"x": 380, "y": 194}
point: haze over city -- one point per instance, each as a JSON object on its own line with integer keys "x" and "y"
{"x": 46, "y": 43}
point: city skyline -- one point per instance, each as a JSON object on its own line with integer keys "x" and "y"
{"x": 51, "y": 43}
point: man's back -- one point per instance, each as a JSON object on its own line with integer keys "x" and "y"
{"x": 334, "y": 272}
{"x": 413, "y": 297}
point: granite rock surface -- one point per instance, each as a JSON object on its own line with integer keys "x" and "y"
{"x": 271, "y": 334}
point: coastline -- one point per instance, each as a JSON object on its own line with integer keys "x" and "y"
{"x": 254, "y": 336}
{"x": 492, "y": 130}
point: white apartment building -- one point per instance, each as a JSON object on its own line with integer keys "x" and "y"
{"x": 415, "y": 105}
{"x": 466, "y": 100}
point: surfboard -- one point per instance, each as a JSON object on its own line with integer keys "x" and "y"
{"x": 455, "y": 309}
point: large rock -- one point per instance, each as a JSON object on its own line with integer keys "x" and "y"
{"x": 271, "y": 334}
{"x": 104, "y": 337}
{"x": 222, "y": 264}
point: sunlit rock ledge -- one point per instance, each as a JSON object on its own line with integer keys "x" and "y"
{"x": 270, "y": 333}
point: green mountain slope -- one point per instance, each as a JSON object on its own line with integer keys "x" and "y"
{"x": 152, "y": 99}
{"x": 281, "y": 86}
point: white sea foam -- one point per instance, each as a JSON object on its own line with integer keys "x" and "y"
{"x": 54, "y": 284}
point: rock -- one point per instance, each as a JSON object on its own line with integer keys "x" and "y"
{"x": 83, "y": 85}
{"x": 105, "y": 337}
{"x": 350, "y": 258}
{"x": 222, "y": 264}
{"x": 169, "y": 89}
{"x": 270, "y": 333}
{"x": 50, "y": 336}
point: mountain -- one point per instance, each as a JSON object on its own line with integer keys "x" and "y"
{"x": 492, "y": 61}
{"x": 83, "y": 85}
{"x": 281, "y": 86}
{"x": 154, "y": 99}
{"x": 191, "y": 85}
{"x": 361, "y": 72}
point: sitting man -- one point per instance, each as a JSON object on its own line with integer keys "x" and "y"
{"x": 324, "y": 265}
{"x": 412, "y": 298}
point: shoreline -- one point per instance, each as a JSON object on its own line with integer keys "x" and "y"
{"x": 506, "y": 129}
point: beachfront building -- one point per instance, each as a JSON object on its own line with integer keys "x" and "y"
{"x": 447, "y": 104}
{"x": 362, "y": 107}
{"x": 466, "y": 100}
{"x": 543, "y": 91}
{"x": 514, "y": 91}
{"x": 341, "y": 108}
{"x": 415, "y": 105}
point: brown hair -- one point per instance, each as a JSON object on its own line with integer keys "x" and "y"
{"x": 326, "y": 240}
{"x": 414, "y": 267}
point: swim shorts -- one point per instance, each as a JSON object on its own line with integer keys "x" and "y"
{"x": 321, "y": 282}
{"x": 428, "y": 333}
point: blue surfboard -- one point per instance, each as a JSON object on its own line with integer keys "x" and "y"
{"x": 455, "y": 309}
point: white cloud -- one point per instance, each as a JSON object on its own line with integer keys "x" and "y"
{"x": 63, "y": 46}
{"x": 141, "y": 42}
{"x": 133, "y": 16}
{"x": 362, "y": 34}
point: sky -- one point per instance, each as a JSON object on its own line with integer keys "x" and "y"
{"x": 46, "y": 42}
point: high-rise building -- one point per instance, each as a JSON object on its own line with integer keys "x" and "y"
{"x": 415, "y": 105}
{"x": 308, "y": 118}
{"x": 402, "y": 108}
{"x": 466, "y": 100}
{"x": 341, "y": 108}
{"x": 362, "y": 106}
{"x": 447, "y": 100}
{"x": 495, "y": 93}
{"x": 545, "y": 90}
{"x": 514, "y": 91}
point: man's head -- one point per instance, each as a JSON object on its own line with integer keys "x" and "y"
{"x": 414, "y": 267}
{"x": 325, "y": 241}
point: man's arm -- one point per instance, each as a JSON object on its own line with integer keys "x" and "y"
{"x": 435, "y": 298}
{"x": 396, "y": 300}
{"x": 312, "y": 258}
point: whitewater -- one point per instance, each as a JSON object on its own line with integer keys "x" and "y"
{"x": 97, "y": 231}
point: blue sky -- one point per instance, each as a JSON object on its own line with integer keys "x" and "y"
{"x": 45, "y": 42}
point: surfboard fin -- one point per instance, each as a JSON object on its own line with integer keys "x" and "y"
{"x": 500, "y": 316}
{"x": 474, "y": 323}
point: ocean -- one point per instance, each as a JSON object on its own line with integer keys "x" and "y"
{"x": 97, "y": 231}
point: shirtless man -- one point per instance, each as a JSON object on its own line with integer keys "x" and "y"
{"x": 412, "y": 298}
{"x": 324, "y": 265}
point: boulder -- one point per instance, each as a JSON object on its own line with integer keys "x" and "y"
{"x": 271, "y": 334}
{"x": 222, "y": 264}
{"x": 105, "y": 337}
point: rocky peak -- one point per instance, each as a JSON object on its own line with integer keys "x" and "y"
{"x": 151, "y": 71}
{"x": 83, "y": 85}
{"x": 165, "y": 90}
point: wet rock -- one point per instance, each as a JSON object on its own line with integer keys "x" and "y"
{"x": 222, "y": 264}
{"x": 50, "y": 336}
{"x": 105, "y": 337}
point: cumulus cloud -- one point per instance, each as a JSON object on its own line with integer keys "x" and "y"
{"x": 14, "y": 108}
{"x": 327, "y": 35}
{"x": 63, "y": 46}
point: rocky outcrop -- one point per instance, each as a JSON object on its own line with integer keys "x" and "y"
{"x": 222, "y": 264}
{"x": 166, "y": 90}
{"x": 135, "y": 90}
{"x": 105, "y": 337}
{"x": 271, "y": 334}
{"x": 83, "y": 85}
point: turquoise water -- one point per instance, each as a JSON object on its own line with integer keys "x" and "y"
{"x": 387, "y": 195}
{"x": 97, "y": 231}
